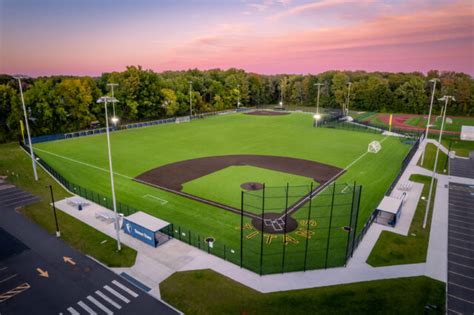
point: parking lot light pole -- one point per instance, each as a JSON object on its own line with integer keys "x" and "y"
{"x": 429, "y": 118}
{"x": 446, "y": 99}
{"x": 30, "y": 145}
{"x": 105, "y": 99}
{"x": 58, "y": 233}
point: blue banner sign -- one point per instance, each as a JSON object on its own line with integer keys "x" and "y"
{"x": 139, "y": 232}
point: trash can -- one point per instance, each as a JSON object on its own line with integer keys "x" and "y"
{"x": 79, "y": 207}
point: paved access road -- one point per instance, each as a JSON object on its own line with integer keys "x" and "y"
{"x": 461, "y": 250}
{"x": 40, "y": 274}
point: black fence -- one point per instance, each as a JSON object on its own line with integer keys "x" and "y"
{"x": 95, "y": 131}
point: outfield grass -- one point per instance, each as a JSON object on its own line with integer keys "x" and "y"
{"x": 77, "y": 234}
{"x": 83, "y": 161}
{"x": 206, "y": 292}
{"x": 456, "y": 125}
{"x": 396, "y": 249}
{"x": 430, "y": 156}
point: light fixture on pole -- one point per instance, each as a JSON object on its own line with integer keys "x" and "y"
{"x": 317, "y": 100}
{"x": 446, "y": 99}
{"x": 348, "y": 98}
{"x": 238, "y": 96}
{"x": 190, "y": 99}
{"x": 429, "y": 118}
{"x": 105, "y": 99}
{"x": 111, "y": 85}
{"x": 30, "y": 145}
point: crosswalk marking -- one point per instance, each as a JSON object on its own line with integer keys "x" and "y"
{"x": 105, "y": 297}
{"x": 86, "y": 308}
{"x": 121, "y": 286}
{"x": 120, "y": 296}
{"x": 73, "y": 311}
{"x": 99, "y": 305}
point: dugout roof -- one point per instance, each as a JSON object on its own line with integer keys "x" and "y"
{"x": 147, "y": 221}
{"x": 390, "y": 205}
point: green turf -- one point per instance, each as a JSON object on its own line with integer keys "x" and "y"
{"x": 395, "y": 249}
{"x": 416, "y": 121}
{"x": 461, "y": 148}
{"x": 210, "y": 187}
{"x": 206, "y": 292}
{"x": 83, "y": 161}
{"x": 79, "y": 235}
{"x": 430, "y": 157}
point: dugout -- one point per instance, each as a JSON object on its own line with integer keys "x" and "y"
{"x": 389, "y": 211}
{"x": 147, "y": 228}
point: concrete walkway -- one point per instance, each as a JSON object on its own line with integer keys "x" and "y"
{"x": 153, "y": 265}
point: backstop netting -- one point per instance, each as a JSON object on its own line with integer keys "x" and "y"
{"x": 290, "y": 228}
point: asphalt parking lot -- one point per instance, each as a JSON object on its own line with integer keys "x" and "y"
{"x": 40, "y": 274}
{"x": 460, "y": 291}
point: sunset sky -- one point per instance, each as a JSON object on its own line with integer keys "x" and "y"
{"x": 88, "y": 37}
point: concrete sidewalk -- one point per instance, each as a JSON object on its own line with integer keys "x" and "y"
{"x": 153, "y": 265}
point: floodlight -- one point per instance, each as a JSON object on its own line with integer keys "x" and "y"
{"x": 317, "y": 116}
{"x": 114, "y": 119}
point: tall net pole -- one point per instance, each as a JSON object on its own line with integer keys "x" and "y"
{"x": 262, "y": 227}
{"x": 307, "y": 227}
{"x": 329, "y": 228}
{"x": 284, "y": 229}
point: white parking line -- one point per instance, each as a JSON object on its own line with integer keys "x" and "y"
{"x": 86, "y": 308}
{"x": 105, "y": 297}
{"x": 461, "y": 275}
{"x": 121, "y": 286}
{"x": 463, "y": 248}
{"x": 461, "y": 286}
{"x": 458, "y": 227}
{"x": 459, "y": 239}
{"x": 100, "y": 305}
{"x": 461, "y": 255}
{"x": 461, "y": 299}
{"x": 450, "y": 310}
{"x": 462, "y": 221}
{"x": 465, "y": 266}
{"x": 8, "y": 278}
{"x": 120, "y": 296}
{"x": 451, "y": 231}
{"x": 73, "y": 311}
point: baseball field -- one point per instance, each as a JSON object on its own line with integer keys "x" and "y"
{"x": 193, "y": 174}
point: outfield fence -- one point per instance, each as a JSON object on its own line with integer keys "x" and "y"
{"x": 90, "y": 132}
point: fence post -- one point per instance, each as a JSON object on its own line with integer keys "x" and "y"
{"x": 189, "y": 237}
{"x": 262, "y": 227}
{"x": 199, "y": 241}
{"x": 350, "y": 224}
{"x": 224, "y": 253}
{"x": 356, "y": 219}
{"x": 179, "y": 232}
{"x": 307, "y": 227}
{"x": 284, "y": 232}
{"x": 330, "y": 223}
{"x": 241, "y": 228}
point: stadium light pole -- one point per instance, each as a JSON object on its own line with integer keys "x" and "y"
{"x": 105, "y": 99}
{"x": 238, "y": 96}
{"x": 348, "y": 97}
{"x": 429, "y": 118}
{"x": 30, "y": 145}
{"x": 317, "y": 101}
{"x": 111, "y": 85}
{"x": 190, "y": 99}
{"x": 446, "y": 99}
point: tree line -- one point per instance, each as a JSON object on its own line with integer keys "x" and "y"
{"x": 59, "y": 104}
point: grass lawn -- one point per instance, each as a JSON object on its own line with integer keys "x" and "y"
{"x": 396, "y": 249}
{"x": 462, "y": 148}
{"x": 416, "y": 121}
{"x": 210, "y": 186}
{"x": 83, "y": 161}
{"x": 207, "y": 292}
{"x": 430, "y": 156}
{"x": 77, "y": 234}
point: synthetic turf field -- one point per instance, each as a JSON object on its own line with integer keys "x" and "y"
{"x": 83, "y": 161}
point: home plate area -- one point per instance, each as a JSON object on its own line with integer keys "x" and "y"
{"x": 278, "y": 225}
{"x": 274, "y": 223}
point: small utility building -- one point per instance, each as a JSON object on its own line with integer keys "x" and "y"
{"x": 389, "y": 211}
{"x": 147, "y": 228}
